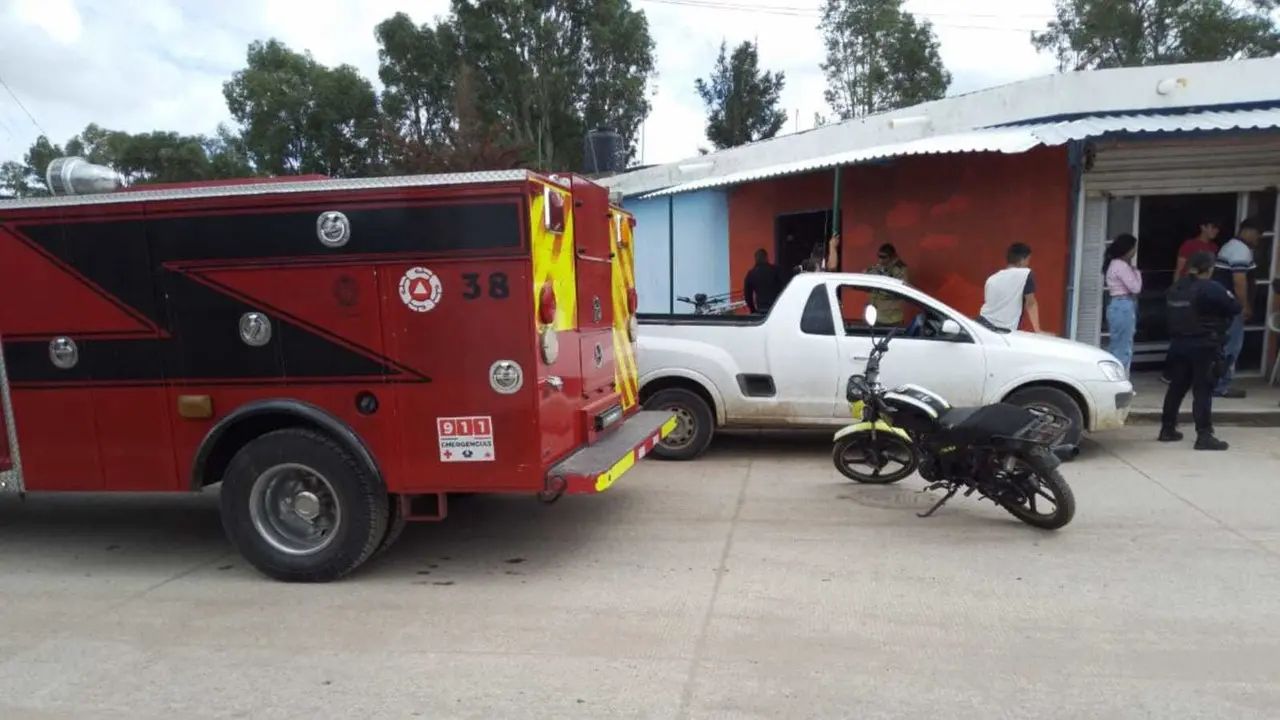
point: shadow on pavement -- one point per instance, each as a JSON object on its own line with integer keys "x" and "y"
{"x": 81, "y": 531}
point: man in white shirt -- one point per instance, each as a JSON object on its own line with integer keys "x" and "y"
{"x": 1010, "y": 291}
{"x": 1236, "y": 271}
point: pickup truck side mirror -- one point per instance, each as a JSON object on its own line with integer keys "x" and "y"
{"x": 869, "y": 315}
{"x": 950, "y": 327}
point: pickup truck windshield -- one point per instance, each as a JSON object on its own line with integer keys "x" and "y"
{"x": 914, "y": 318}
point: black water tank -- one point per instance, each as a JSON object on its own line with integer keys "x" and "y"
{"x": 603, "y": 153}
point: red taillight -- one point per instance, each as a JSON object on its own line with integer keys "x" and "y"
{"x": 633, "y": 301}
{"x": 547, "y": 304}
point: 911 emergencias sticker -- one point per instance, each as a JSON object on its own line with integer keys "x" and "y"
{"x": 465, "y": 439}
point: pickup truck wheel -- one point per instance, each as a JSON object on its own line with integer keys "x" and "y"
{"x": 695, "y": 424}
{"x": 301, "y": 508}
{"x": 1057, "y": 401}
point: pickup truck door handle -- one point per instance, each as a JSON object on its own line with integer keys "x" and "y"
{"x": 859, "y": 357}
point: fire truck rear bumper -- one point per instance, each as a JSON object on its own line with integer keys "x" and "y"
{"x": 597, "y": 467}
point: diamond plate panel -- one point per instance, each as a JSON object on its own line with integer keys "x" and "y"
{"x": 275, "y": 188}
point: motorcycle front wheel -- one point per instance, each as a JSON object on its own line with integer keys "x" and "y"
{"x": 886, "y": 459}
{"x": 1036, "y": 480}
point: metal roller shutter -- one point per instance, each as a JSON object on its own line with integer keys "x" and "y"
{"x": 1168, "y": 167}
{"x": 1093, "y": 231}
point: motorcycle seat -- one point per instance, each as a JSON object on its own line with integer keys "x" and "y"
{"x": 955, "y": 417}
{"x": 984, "y": 422}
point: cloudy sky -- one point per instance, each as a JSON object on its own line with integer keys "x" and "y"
{"x": 140, "y": 65}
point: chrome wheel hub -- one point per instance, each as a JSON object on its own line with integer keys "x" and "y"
{"x": 685, "y": 430}
{"x": 295, "y": 509}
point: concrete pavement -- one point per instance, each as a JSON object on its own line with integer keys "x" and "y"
{"x": 1260, "y": 408}
{"x": 754, "y": 583}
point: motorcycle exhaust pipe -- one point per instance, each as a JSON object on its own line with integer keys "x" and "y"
{"x": 1066, "y": 453}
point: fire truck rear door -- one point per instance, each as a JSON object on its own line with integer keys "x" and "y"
{"x": 594, "y": 270}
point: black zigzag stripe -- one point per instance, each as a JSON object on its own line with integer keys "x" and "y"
{"x": 126, "y": 258}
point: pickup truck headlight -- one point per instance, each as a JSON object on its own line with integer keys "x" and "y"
{"x": 1112, "y": 370}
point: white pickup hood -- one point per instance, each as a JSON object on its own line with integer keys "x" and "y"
{"x": 1038, "y": 344}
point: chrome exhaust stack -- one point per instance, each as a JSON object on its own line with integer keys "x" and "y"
{"x": 77, "y": 176}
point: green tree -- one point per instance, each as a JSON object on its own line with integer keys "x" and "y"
{"x": 550, "y": 70}
{"x": 879, "y": 58}
{"x": 741, "y": 101}
{"x": 228, "y": 154}
{"x": 298, "y": 116}
{"x": 154, "y": 157}
{"x": 469, "y": 143}
{"x": 25, "y": 178}
{"x": 418, "y": 66}
{"x": 1126, "y": 33}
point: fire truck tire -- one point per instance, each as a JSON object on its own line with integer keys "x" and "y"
{"x": 695, "y": 424}
{"x": 301, "y": 508}
{"x": 396, "y": 523}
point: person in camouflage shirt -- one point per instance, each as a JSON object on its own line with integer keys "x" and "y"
{"x": 888, "y": 307}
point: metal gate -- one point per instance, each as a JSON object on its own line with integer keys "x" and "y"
{"x": 10, "y": 458}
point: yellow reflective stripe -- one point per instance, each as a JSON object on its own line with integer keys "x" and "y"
{"x": 605, "y": 481}
{"x": 626, "y": 373}
{"x": 669, "y": 427}
{"x": 553, "y": 260}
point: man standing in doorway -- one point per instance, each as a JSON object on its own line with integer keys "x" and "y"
{"x": 1199, "y": 312}
{"x": 1206, "y": 241}
{"x": 888, "y": 307}
{"x": 762, "y": 285}
{"x": 1010, "y": 291}
{"x": 1235, "y": 271}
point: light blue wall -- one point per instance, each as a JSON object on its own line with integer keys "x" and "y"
{"x": 701, "y": 245}
{"x": 653, "y": 254}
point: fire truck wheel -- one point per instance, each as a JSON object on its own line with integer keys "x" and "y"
{"x": 695, "y": 424}
{"x": 395, "y": 527}
{"x": 301, "y": 508}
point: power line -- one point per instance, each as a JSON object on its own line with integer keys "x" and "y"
{"x": 30, "y": 117}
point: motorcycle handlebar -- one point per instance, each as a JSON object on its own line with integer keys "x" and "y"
{"x": 878, "y": 349}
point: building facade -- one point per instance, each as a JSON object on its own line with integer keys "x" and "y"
{"x": 1152, "y": 151}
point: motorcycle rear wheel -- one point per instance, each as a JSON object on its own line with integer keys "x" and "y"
{"x": 856, "y": 450}
{"x": 1043, "y": 470}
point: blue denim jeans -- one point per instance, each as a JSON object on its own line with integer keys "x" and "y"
{"x": 1235, "y": 342}
{"x": 1122, "y": 323}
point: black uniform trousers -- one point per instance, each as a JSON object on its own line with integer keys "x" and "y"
{"x": 1191, "y": 365}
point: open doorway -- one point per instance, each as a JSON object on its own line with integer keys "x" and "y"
{"x": 797, "y": 235}
{"x": 1162, "y": 223}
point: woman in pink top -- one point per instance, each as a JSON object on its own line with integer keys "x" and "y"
{"x": 1124, "y": 283}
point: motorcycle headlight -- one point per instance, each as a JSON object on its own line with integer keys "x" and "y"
{"x": 853, "y": 390}
{"x": 1112, "y": 370}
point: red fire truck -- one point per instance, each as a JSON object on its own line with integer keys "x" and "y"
{"x": 341, "y": 355}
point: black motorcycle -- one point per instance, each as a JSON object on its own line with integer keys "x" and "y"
{"x": 704, "y": 304}
{"x": 1002, "y": 452}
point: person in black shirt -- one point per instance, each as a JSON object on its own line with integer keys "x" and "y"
{"x": 1199, "y": 312}
{"x": 762, "y": 284}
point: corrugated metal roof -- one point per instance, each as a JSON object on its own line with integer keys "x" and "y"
{"x": 1011, "y": 139}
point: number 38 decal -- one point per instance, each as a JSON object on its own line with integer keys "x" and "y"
{"x": 495, "y": 286}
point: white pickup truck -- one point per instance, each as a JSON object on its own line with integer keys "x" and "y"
{"x": 788, "y": 368}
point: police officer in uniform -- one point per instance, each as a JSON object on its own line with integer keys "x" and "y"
{"x": 1199, "y": 312}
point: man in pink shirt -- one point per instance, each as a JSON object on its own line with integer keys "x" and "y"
{"x": 1204, "y": 242}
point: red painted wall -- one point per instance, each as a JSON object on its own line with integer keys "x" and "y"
{"x": 951, "y": 218}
